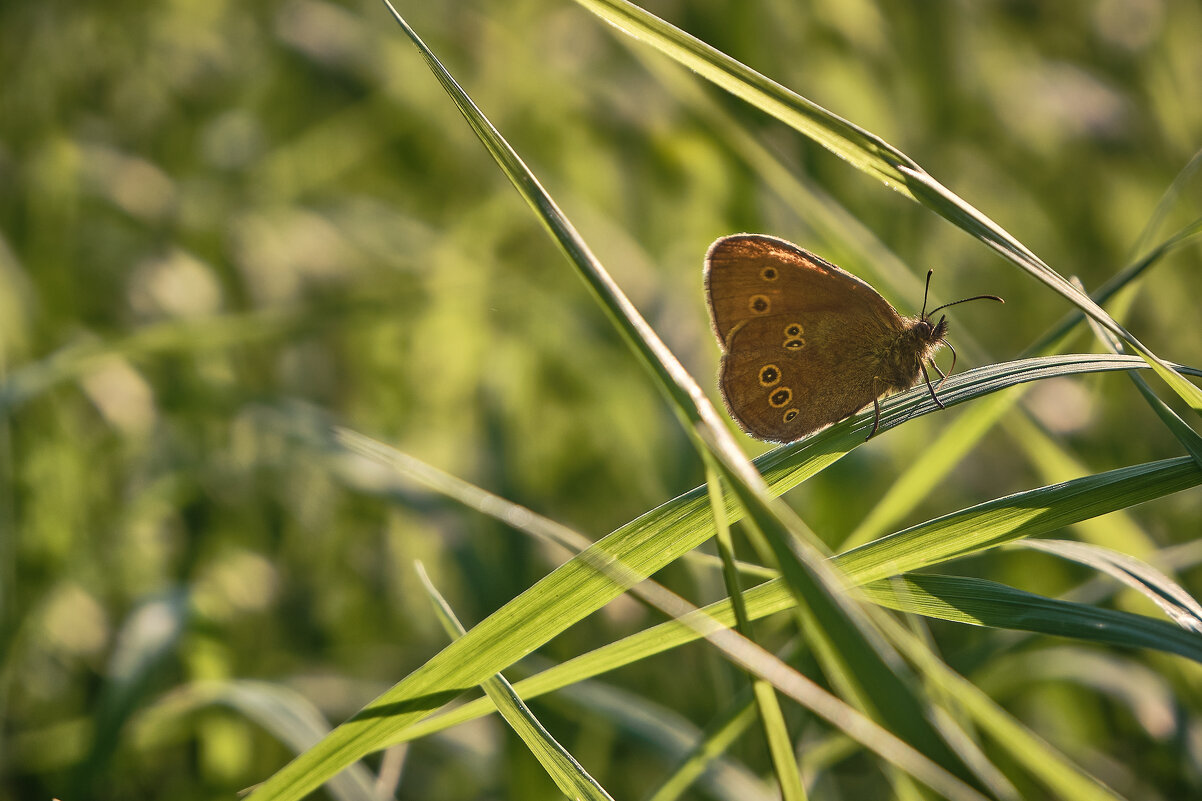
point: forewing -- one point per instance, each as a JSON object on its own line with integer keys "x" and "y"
{"x": 750, "y": 276}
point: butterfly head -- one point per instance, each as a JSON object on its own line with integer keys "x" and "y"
{"x": 931, "y": 332}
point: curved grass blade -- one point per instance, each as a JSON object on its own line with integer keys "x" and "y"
{"x": 285, "y": 714}
{"x": 1060, "y": 775}
{"x": 672, "y": 737}
{"x": 722, "y": 734}
{"x": 568, "y": 774}
{"x": 1013, "y": 517}
{"x": 1170, "y": 596}
{"x": 979, "y": 602}
{"x": 1189, "y": 439}
{"x": 1168, "y": 199}
{"x": 148, "y": 636}
{"x": 759, "y": 599}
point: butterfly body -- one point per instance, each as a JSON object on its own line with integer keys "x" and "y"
{"x": 901, "y": 361}
{"x": 805, "y": 344}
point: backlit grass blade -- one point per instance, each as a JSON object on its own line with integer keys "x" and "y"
{"x": 1037, "y": 757}
{"x": 1189, "y": 439}
{"x": 1023, "y": 514}
{"x": 979, "y": 602}
{"x": 773, "y": 597}
{"x": 568, "y": 774}
{"x": 726, "y": 729}
{"x": 1170, "y": 596}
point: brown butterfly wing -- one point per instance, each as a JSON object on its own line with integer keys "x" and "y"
{"x": 803, "y": 339}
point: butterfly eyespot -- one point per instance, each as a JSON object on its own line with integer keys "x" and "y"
{"x": 759, "y": 304}
{"x": 795, "y": 344}
{"x": 780, "y": 397}
{"x": 769, "y": 375}
{"x": 793, "y": 330}
{"x": 791, "y": 415}
{"x": 768, "y": 273}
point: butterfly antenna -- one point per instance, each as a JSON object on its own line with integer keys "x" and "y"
{"x": 925, "y": 293}
{"x": 954, "y": 302}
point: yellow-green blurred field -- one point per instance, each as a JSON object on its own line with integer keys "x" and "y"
{"x": 227, "y": 226}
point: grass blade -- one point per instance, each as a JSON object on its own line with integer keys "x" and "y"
{"x": 978, "y": 602}
{"x": 1170, "y": 596}
{"x": 568, "y": 774}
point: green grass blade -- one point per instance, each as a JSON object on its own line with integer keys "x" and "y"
{"x": 1170, "y": 596}
{"x": 148, "y": 636}
{"x": 725, "y": 730}
{"x": 1055, "y": 464}
{"x": 1060, "y": 775}
{"x": 953, "y": 598}
{"x": 780, "y": 745}
{"x": 854, "y": 656}
{"x": 1024, "y": 514}
{"x": 1189, "y": 439}
{"x": 568, "y": 774}
{"x": 987, "y": 603}
{"x": 285, "y": 714}
{"x": 1167, "y": 200}
{"x": 916, "y": 548}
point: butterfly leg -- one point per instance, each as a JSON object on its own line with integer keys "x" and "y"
{"x": 876, "y": 406}
{"x": 934, "y": 397}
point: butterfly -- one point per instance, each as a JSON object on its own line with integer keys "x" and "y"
{"x": 806, "y": 344}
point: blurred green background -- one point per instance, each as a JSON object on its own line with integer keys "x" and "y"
{"x": 222, "y": 222}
